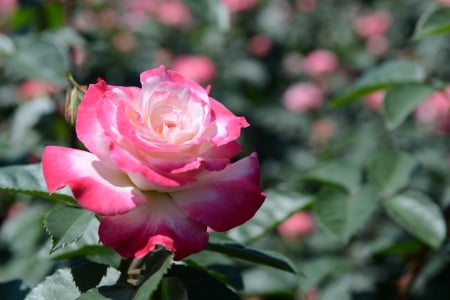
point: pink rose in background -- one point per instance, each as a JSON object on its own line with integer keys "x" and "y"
{"x": 435, "y": 112}
{"x": 198, "y": 68}
{"x": 260, "y": 45}
{"x": 375, "y": 100}
{"x": 306, "y": 5}
{"x": 302, "y": 97}
{"x": 320, "y": 62}
{"x": 173, "y": 12}
{"x": 158, "y": 167}
{"x": 298, "y": 225}
{"x": 322, "y": 130}
{"x": 443, "y": 2}
{"x": 33, "y": 88}
{"x": 377, "y": 45}
{"x": 8, "y": 6}
{"x": 373, "y": 24}
{"x": 239, "y": 5}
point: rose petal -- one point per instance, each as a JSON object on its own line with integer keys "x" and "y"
{"x": 150, "y": 80}
{"x": 96, "y": 187}
{"x": 225, "y": 126}
{"x": 159, "y": 222}
{"x": 224, "y": 199}
{"x": 143, "y": 176}
{"x": 88, "y": 129}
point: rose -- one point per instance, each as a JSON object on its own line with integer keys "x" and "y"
{"x": 159, "y": 166}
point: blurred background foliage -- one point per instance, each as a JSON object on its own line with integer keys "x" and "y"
{"x": 365, "y": 185}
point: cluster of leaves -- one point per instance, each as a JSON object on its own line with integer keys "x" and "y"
{"x": 377, "y": 188}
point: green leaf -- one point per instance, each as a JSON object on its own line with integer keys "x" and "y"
{"x": 433, "y": 23}
{"x": 344, "y": 214}
{"x": 200, "y": 285}
{"x": 391, "y": 171}
{"x": 400, "y": 101}
{"x": 66, "y": 225}
{"x": 319, "y": 269}
{"x": 277, "y": 207}
{"x": 60, "y": 285}
{"x": 336, "y": 174}
{"x": 28, "y": 179}
{"x": 158, "y": 264}
{"x": 418, "y": 215}
{"x": 173, "y": 289}
{"x": 388, "y": 74}
{"x": 36, "y": 58}
{"x": 96, "y": 253}
{"x": 265, "y": 281}
{"x": 268, "y": 258}
{"x": 87, "y": 275}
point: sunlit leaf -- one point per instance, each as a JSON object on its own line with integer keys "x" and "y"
{"x": 28, "y": 179}
{"x": 277, "y": 207}
{"x": 36, "y": 58}
{"x": 433, "y": 23}
{"x": 382, "y": 77}
{"x": 418, "y": 215}
{"x": 401, "y": 100}
{"x": 60, "y": 285}
{"x": 67, "y": 224}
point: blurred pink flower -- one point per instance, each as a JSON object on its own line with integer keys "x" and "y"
{"x": 124, "y": 41}
{"x": 322, "y": 130}
{"x": 302, "y": 97}
{"x": 260, "y": 45}
{"x": 33, "y": 88}
{"x": 198, "y": 68}
{"x": 435, "y": 112}
{"x": 306, "y": 5}
{"x": 443, "y": 2}
{"x": 298, "y": 225}
{"x": 8, "y": 6}
{"x": 375, "y": 100}
{"x": 377, "y": 45}
{"x": 239, "y": 5}
{"x": 319, "y": 61}
{"x": 373, "y": 24}
{"x": 173, "y": 12}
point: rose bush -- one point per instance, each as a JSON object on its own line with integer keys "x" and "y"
{"x": 158, "y": 167}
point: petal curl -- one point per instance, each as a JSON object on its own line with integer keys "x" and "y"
{"x": 88, "y": 128}
{"x": 159, "y": 222}
{"x": 224, "y": 199}
{"x": 143, "y": 176}
{"x": 150, "y": 80}
{"x": 225, "y": 126}
{"x": 95, "y": 186}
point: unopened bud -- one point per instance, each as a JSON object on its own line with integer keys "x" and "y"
{"x": 74, "y": 96}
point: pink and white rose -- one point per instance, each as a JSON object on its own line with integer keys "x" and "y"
{"x": 159, "y": 165}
